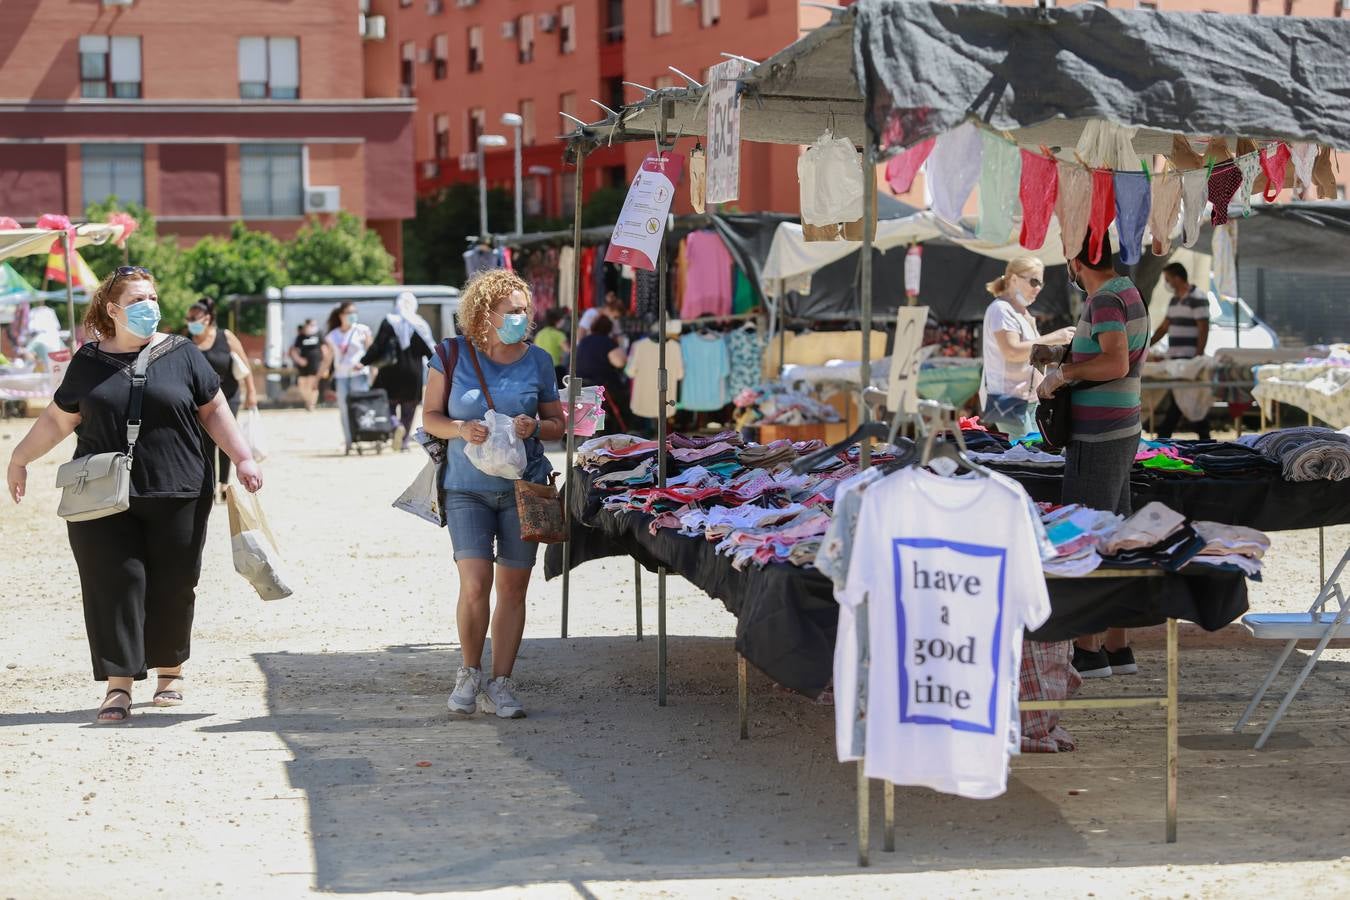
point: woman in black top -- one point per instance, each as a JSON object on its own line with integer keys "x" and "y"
{"x": 219, "y": 346}
{"x": 139, "y": 568}
{"x": 600, "y": 361}
{"x": 307, "y": 354}
{"x": 400, "y": 350}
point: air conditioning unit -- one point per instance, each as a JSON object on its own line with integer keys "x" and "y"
{"x": 465, "y": 4}
{"x": 689, "y": 2}
{"x": 365, "y": 7}
{"x": 374, "y": 30}
{"x": 548, "y": 23}
{"x": 468, "y": 162}
{"x": 509, "y": 29}
{"x": 118, "y": 2}
{"x": 322, "y": 200}
{"x": 435, "y": 7}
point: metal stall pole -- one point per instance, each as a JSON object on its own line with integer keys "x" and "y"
{"x": 743, "y": 696}
{"x": 637, "y": 594}
{"x": 662, "y": 388}
{"x": 1173, "y": 761}
{"x": 865, "y": 379}
{"x": 572, "y": 382}
{"x": 70, "y": 290}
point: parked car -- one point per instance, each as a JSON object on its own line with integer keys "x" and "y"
{"x": 1233, "y": 324}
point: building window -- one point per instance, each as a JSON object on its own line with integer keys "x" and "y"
{"x": 441, "y": 54}
{"x": 613, "y": 21}
{"x": 110, "y": 66}
{"x": 526, "y": 111}
{"x": 567, "y": 103}
{"x": 407, "y": 69}
{"x": 710, "y": 13}
{"x": 569, "y": 193}
{"x": 477, "y": 127}
{"x": 661, "y": 17}
{"x": 525, "y": 37}
{"x": 567, "y": 29}
{"x": 271, "y": 180}
{"x": 269, "y": 68}
{"x": 113, "y": 170}
{"x": 442, "y": 126}
{"x": 476, "y": 48}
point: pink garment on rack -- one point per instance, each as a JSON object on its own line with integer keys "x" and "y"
{"x": 1274, "y": 164}
{"x": 901, "y": 169}
{"x": 707, "y": 285}
{"x": 1038, "y": 191}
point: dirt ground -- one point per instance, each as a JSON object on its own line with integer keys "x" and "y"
{"x": 315, "y": 753}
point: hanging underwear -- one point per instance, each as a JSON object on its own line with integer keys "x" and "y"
{"x": 1132, "y": 207}
{"x": 1038, "y": 190}
{"x": 1072, "y": 206}
{"x": 1194, "y": 185}
{"x": 1103, "y": 213}
{"x": 902, "y": 168}
{"x": 953, "y": 171}
{"x": 1224, "y": 182}
{"x": 1249, "y": 164}
{"x": 1182, "y": 156}
{"x": 1162, "y": 219}
{"x": 1303, "y": 155}
{"x": 1323, "y": 176}
{"x": 1273, "y": 164}
{"x": 1000, "y": 172}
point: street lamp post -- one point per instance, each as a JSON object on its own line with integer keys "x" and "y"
{"x": 485, "y": 140}
{"x": 511, "y": 120}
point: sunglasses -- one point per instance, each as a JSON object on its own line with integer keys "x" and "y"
{"x": 128, "y": 271}
{"x": 1035, "y": 282}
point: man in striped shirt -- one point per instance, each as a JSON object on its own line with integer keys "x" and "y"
{"x": 1187, "y": 330}
{"x": 1108, "y": 350}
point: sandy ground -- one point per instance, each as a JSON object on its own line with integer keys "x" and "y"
{"x": 295, "y": 766}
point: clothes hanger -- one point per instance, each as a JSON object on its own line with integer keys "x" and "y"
{"x": 937, "y": 446}
{"x": 875, "y": 430}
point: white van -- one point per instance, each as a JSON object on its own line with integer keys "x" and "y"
{"x": 1232, "y": 324}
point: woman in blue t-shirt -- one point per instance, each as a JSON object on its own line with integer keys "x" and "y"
{"x": 480, "y": 509}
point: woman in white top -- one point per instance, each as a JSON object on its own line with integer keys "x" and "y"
{"x": 1008, "y": 388}
{"x": 348, "y": 340}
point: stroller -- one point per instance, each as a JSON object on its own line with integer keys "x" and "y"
{"x": 368, "y": 412}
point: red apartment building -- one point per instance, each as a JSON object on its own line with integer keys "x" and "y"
{"x": 469, "y": 62}
{"x": 205, "y": 112}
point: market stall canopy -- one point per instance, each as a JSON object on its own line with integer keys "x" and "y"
{"x": 1303, "y": 237}
{"x": 33, "y": 241}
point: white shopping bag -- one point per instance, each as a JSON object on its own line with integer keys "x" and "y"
{"x": 254, "y": 548}
{"x": 250, "y": 425}
{"x": 503, "y": 453}
{"x": 423, "y": 497}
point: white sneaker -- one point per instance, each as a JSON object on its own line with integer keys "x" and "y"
{"x": 464, "y": 699}
{"x": 499, "y": 697}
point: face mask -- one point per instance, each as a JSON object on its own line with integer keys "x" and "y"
{"x": 1073, "y": 280}
{"x": 512, "y": 329}
{"x": 310, "y": 332}
{"x": 1020, "y": 297}
{"x": 196, "y": 327}
{"x": 352, "y": 318}
{"x": 142, "y": 318}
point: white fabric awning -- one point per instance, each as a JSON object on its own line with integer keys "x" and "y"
{"x": 33, "y": 241}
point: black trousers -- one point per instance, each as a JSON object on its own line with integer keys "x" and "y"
{"x": 138, "y": 574}
{"x": 1172, "y": 418}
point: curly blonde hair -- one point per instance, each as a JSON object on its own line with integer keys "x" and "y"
{"x": 97, "y": 320}
{"x": 480, "y": 295}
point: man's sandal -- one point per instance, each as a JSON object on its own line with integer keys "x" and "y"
{"x": 169, "y": 697}
{"x": 114, "y": 714}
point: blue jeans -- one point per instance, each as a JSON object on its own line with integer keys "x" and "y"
{"x": 346, "y": 386}
{"x": 1013, "y": 416}
{"x": 475, "y": 518}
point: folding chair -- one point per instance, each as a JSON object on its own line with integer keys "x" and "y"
{"x": 1318, "y": 623}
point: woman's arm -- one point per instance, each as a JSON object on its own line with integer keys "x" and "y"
{"x": 434, "y": 420}
{"x": 250, "y": 392}
{"x": 551, "y": 424}
{"x": 50, "y": 429}
{"x": 220, "y": 425}
{"x": 1014, "y": 347}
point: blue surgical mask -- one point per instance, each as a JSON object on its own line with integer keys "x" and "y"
{"x": 142, "y": 318}
{"x": 513, "y": 328}
{"x": 352, "y": 318}
{"x": 196, "y": 327}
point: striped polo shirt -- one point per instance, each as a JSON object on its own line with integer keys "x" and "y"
{"x": 1110, "y": 411}
{"x": 1183, "y": 330}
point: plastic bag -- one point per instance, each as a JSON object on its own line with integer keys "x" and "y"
{"x": 502, "y": 454}
{"x": 250, "y": 425}
{"x": 254, "y": 548}
{"x": 422, "y": 498}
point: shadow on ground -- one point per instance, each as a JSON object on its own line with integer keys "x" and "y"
{"x": 601, "y": 784}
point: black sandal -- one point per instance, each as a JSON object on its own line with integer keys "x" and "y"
{"x": 168, "y": 697}
{"x": 122, "y": 713}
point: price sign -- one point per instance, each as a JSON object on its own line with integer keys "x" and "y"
{"x": 902, "y": 394}
{"x": 642, "y": 221}
{"x": 724, "y": 132}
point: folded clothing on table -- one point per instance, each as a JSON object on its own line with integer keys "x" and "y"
{"x": 1307, "y": 453}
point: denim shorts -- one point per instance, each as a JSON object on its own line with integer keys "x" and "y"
{"x": 475, "y": 518}
{"x": 1013, "y": 416}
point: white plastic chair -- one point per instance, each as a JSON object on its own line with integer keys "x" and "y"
{"x": 1318, "y": 623}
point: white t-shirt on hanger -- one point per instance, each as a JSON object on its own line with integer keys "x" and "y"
{"x": 951, "y": 570}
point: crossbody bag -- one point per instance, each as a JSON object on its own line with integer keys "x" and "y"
{"x": 99, "y": 484}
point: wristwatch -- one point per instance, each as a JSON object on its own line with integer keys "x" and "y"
{"x": 538, "y": 426}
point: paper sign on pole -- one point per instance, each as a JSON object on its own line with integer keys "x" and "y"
{"x": 724, "y": 132}
{"x": 642, "y": 221}
{"x": 902, "y": 394}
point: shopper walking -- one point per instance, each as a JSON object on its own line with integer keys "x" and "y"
{"x": 1008, "y": 385}
{"x": 1108, "y": 349}
{"x": 1186, "y": 327}
{"x": 308, "y": 354}
{"x": 400, "y": 351}
{"x": 348, "y": 341}
{"x": 226, "y": 357}
{"x": 139, "y": 568}
{"x": 491, "y": 358}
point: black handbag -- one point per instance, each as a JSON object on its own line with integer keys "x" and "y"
{"x": 1054, "y": 417}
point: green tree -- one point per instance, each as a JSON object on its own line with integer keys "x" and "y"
{"x": 342, "y": 253}
{"x": 247, "y": 262}
{"x": 435, "y": 240}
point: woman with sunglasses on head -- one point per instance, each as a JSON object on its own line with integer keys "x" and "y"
{"x": 139, "y": 568}
{"x": 221, "y": 349}
{"x": 1008, "y": 386}
{"x": 348, "y": 340}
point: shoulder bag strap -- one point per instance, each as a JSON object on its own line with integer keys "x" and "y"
{"x": 137, "y": 395}
{"x": 473, "y": 355}
{"x": 447, "y": 351}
